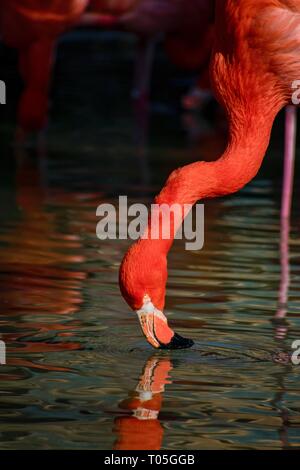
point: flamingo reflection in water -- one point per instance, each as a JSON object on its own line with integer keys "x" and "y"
{"x": 142, "y": 430}
{"x": 32, "y": 276}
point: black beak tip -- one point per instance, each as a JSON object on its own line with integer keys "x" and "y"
{"x": 178, "y": 342}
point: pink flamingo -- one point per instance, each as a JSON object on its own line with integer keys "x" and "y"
{"x": 255, "y": 60}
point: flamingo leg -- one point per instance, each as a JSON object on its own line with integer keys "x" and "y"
{"x": 287, "y": 194}
{"x": 35, "y": 63}
{"x": 141, "y": 87}
{"x": 289, "y": 160}
{"x": 281, "y": 327}
{"x": 143, "y": 67}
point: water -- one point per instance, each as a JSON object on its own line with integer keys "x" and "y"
{"x": 79, "y": 374}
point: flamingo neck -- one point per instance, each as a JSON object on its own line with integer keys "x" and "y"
{"x": 249, "y": 136}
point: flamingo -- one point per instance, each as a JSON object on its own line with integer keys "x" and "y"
{"x": 188, "y": 29}
{"x": 254, "y": 62}
{"x": 32, "y": 27}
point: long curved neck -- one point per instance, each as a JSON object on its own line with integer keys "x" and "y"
{"x": 249, "y": 136}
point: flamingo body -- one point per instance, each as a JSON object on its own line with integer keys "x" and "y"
{"x": 187, "y": 26}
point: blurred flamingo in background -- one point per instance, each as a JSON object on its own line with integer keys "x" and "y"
{"x": 255, "y": 60}
{"x": 32, "y": 278}
{"x": 187, "y": 26}
{"x": 32, "y": 27}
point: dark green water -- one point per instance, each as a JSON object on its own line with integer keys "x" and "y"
{"x": 78, "y": 373}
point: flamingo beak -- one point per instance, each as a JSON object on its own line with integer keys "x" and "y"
{"x": 147, "y": 323}
{"x": 156, "y": 330}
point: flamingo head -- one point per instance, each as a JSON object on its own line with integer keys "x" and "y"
{"x": 143, "y": 277}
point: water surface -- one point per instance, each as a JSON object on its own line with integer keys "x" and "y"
{"x": 79, "y": 374}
